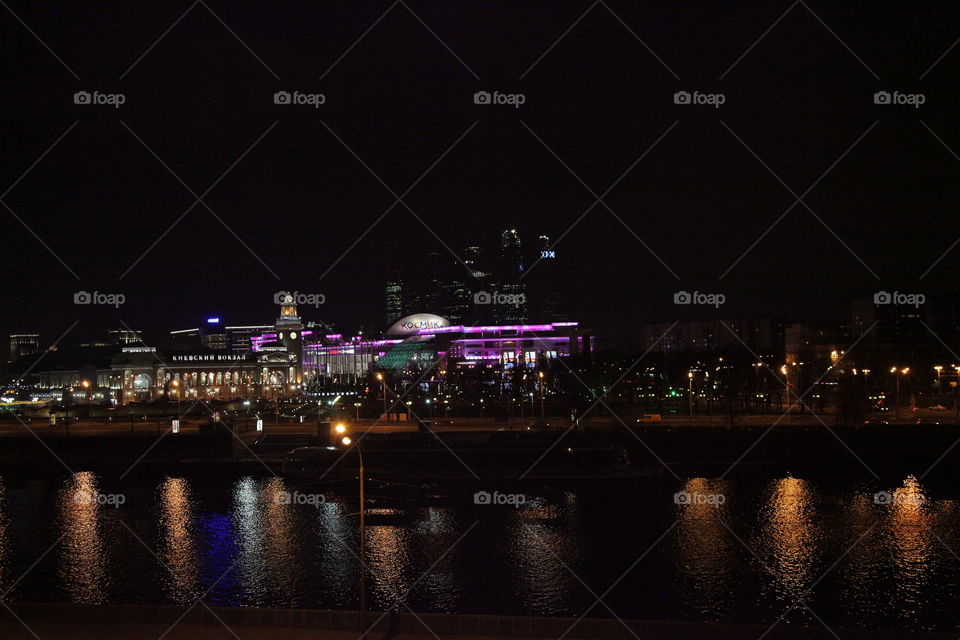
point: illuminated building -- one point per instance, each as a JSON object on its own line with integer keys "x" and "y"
{"x": 427, "y": 338}
{"x": 23, "y": 344}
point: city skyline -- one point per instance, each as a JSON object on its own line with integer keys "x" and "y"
{"x": 104, "y": 197}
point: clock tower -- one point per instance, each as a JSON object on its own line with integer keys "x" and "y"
{"x": 289, "y": 328}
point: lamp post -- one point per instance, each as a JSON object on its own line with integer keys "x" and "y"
{"x": 541, "y": 395}
{"x": 898, "y": 373}
{"x": 938, "y": 368}
{"x": 347, "y": 441}
{"x": 383, "y": 385}
{"x": 690, "y": 391}
{"x": 956, "y": 393}
{"x": 176, "y": 385}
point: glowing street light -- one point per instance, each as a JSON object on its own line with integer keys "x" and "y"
{"x": 383, "y": 384}
{"x": 898, "y": 373}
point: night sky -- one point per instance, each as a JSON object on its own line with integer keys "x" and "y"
{"x": 290, "y": 185}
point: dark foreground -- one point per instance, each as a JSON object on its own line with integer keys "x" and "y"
{"x": 126, "y": 622}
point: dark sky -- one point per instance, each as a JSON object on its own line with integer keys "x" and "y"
{"x": 201, "y": 96}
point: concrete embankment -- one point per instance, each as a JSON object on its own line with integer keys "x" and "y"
{"x": 123, "y": 622}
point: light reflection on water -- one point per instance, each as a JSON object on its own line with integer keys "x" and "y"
{"x": 745, "y": 558}
{"x": 703, "y": 550}
{"x": 84, "y": 564}
{"x": 179, "y": 547}
{"x": 789, "y": 541}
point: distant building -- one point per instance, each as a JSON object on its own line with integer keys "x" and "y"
{"x": 394, "y": 298}
{"x": 125, "y": 336}
{"x": 511, "y": 253}
{"x": 23, "y": 344}
{"x": 763, "y": 336}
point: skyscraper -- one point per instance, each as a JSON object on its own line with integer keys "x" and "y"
{"x": 394, "y": 298}
{"x": 511, "y": 253}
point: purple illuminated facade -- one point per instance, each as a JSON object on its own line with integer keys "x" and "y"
{"x": 451, "y": 347}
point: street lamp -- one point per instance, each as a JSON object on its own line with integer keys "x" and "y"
{"x": 541, "y": 395}
{"x": 383, "y": 384}
{"x": 898, "y": 373}
{"x": 938, "y": 368}
{"x": 363, "y": 596}
{"x": 690, "y": 391}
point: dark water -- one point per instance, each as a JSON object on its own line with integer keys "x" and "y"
{"x": 238, "y": 541}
